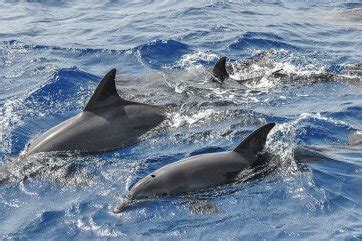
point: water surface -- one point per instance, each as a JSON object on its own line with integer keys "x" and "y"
{"x": 53, "y": 54}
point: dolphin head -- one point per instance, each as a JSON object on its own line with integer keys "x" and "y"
{"x": 147, "y": 187}
{"x": 151, "y": 185}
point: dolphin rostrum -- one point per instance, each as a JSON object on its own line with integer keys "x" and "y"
{"x": 200, "y": 171}
{"x": 108, "y": 122}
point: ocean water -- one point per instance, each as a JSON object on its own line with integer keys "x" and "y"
{"x": 53, "y": 54}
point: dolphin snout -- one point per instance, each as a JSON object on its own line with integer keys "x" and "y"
{"x": 122, "y": 205}
{"x": 140, "y": 192}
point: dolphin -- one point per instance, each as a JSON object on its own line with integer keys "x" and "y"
{"x": 200, "y": 171}
{"x": 107, "y": 122}
{"x": 350, "y": 73}
{"x": 220, "y": 73}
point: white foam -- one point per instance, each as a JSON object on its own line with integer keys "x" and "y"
{"x": 8, "y": 120}
{"x": 189, "y": 61}
{"x": 90, "y": 225}
{"x": 179, "y": 119}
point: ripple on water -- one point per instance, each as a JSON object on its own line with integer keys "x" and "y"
{"x": 163, "y": 52}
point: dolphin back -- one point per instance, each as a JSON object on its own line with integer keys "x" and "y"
{"x": 219, "y": 73}
{"x": 255, "y": 142}
{"x": 106, "y": 93}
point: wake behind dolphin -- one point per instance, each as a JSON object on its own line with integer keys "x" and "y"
{"x": 201, "y": 171}
{"x": 108, "y": 122}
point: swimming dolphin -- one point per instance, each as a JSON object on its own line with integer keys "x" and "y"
{"x": 350, "y": 73}
{"x": 108, "y": 122}
{"x": 200, "y": 171}
{"x": 220, "y": 73}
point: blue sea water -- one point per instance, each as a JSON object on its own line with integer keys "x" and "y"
{"x": 53, "y": 54}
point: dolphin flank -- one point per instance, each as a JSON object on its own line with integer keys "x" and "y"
{"x": 201, "y": 171}
{"x": 108, "y": 122}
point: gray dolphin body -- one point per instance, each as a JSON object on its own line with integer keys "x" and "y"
{"x": 108, "y": 122}
{"x": 201, "y": 171}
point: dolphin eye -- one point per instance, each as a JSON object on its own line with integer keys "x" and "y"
{"x": 153, "y": 175}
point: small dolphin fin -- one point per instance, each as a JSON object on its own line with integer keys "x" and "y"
{"x": 106, "y": 92}
{"x": 255, "y": 141}
{"x": 219, "y": 73}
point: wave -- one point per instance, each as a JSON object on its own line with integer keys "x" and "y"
{"x": 263, "y": 41}
{"x": 162, "y": 52}
{"x": 155, "y": 54}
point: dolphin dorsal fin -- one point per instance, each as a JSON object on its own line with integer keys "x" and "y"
{"x": 106, "y": 92}
{"x": 255, "y": 142}
{"x": 219, "y": 71}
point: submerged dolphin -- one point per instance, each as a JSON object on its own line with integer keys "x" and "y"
{"x": 350, "y": 73}
{"x": 108, "y": 122}
{"x": 201, "y": 171}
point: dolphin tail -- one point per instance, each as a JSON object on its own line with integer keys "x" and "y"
{"x": 219, "y": 73}
{"x": 255, "y": 142}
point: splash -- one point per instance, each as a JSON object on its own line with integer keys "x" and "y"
{"x": 179, "y": 119}
{"x": 89, "y": 225}
{"x": 194, "y": 60}
{"x": 9, "y": 119}
{"x": 282, "y": 142}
